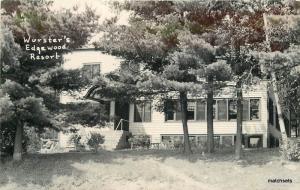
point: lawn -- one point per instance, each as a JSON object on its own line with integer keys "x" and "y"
{"x": 149, "y": 169}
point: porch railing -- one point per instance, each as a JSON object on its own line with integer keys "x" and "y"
{"x": 120, "y": 124}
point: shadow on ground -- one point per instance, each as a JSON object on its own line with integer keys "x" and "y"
{"x": 250, "y": 157}
{"x": 40, "y": 169}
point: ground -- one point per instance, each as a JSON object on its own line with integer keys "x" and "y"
{"x": 149, "y": 169}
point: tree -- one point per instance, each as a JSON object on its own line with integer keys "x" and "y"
{"x": 159, "y": 27}
{"x": 220, "y": 30}
{"x": 165, "y": 40}
{"x": 241, "y": 33}
{"x": 246, "y": 31}
{"x": 29, "y": 85}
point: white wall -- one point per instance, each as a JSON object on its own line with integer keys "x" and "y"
{"x": 159, "y": 126}
{"x": 75, "y": 60}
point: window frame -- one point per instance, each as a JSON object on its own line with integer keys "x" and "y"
{"x": 216, "y": 119}
{"x": 259, "y": 109}
{"x": 143, "y": 103}
{"x": 90, "y": 68}
{"x": 205, "y": 110}
{"x": 228, "y": 100}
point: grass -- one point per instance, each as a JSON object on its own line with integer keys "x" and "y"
{"x": 149, "y": 169}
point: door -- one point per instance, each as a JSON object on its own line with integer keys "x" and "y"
{"x": 121, "y": 112}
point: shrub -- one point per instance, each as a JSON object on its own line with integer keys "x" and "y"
{"x": 139, "y": 141}
{"x": 178, "y": 144}
{"x": 292, "y": 150}
{"x": 33, "y": 140}
{"x": 95, "y": 140}
{"x": 75, "y": 139}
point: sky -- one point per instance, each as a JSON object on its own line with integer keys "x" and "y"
{"x": 101, "y": 7}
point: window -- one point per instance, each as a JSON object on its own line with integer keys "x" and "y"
{"x": 254, "y": 109}
{"x": 172, "y": 139}
{"x": 214, "y": 109}
{"x": 172, "y": 110}
{"x": 191, "y": 110}
{"x": 222, "y": 110}
{"x": 169, "y": 110}
{"x": 232, "y": 109}
{"x": 142, "y": 112}
{"x": 201, "y": 107}
{"x": 255, "y": 141}
{"x": 91, "y": 70}
{"x": 245, "y": 110}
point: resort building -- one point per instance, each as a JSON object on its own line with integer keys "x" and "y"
{"x": 260, "y": 120}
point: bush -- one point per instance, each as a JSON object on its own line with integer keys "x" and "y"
{"x": 95, "y": 140}
{"x": 33, "y": 140}
{"x": 75, "y": 139}
{"x": 292, "y": 150}
{"x": 139, "y": 141}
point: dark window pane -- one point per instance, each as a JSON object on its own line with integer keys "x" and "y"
{"x": 91, "y": 70}
{"x": 178, "y": 115}
{"x": 170, "y": 115}
{"x": 147, "y": 114}
{"x": 232, "y": 108}
{"x": 214, "y": 109}
{"x": 245, "y": 110}
{"x": 222, "y": 110}
{"x": 254, "y": 109}
{"x": 190, "y": 115}
{"x": 191, "y": 111}
{"x": 138, "y": 113}
{"x": 169, "y": 110}
{"x": 201, "y": 107}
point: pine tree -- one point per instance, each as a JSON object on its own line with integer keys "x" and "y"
{"x": 29, "y": 86}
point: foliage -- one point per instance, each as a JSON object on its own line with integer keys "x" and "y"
{"x": 177, "y": 45}
{"x": 29, "y": 88}
{"x": 139, "y": 141}
{"x": 292, "y": 151}
{"x": 75, "y": 139}
{"x": 95, "y": 140}
{"x": 33, "y": 140}
{"x": 84, "y": 113}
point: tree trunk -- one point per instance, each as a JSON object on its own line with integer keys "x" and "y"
{"x": 17, "y": 156}
{"x": 210, "y": 118}
{"x": 284, "y": 138}
{"x": 239, "y": 121}
{"x": 183, "y": 103}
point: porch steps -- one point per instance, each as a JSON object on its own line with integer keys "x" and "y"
{"x": 114, "y": 139}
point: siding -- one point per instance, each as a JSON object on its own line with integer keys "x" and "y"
{"x": 159, "y": 126}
